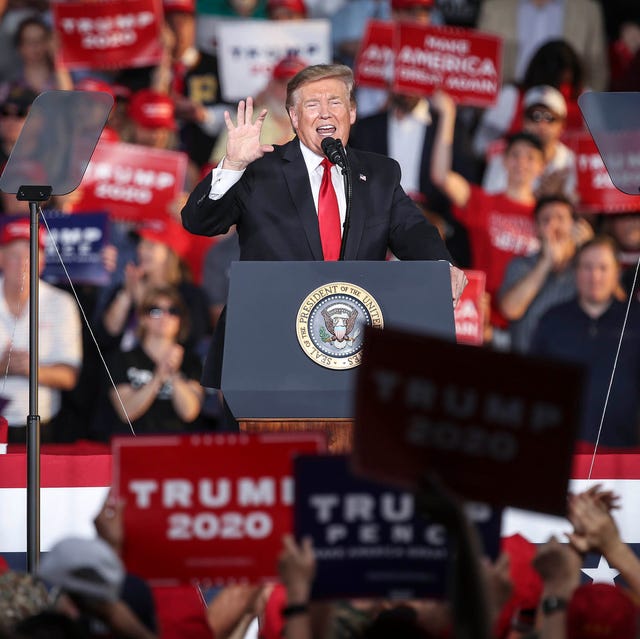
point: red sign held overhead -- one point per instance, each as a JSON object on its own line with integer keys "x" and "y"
{"x": 481, "y": 420}
{"x": 375, "y": 61}
{"x": 417, "y": 60}
{"x": 110, "y": 34}
{"x": 464, "y": 63}
{"x": 131, "y": 181}
{"x": 209, "y": 508}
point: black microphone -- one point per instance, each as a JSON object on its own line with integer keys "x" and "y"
{"x": 334, "y": 151}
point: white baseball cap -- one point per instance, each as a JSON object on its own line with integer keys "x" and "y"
{"x": 547, "y": 96}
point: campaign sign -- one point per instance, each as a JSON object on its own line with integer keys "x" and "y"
{"x": 596, "y": 191}
{"x": 482, "y": 420}
{"x": 211, "y": 507}
{"x": 469, "y": 313}
{"x": 369, "y": 539}
{"x": 110, "y": 34}
{"x": 249, "y": 49}
{"x": 464, "y": 63}
{"x": 375, "y": 60}
{"x": 131, "y": 182}
{"x": 79, "y": 240}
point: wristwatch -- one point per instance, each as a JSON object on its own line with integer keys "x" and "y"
{"x": 553, "y": 604}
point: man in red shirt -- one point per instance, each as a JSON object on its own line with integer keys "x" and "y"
{"x": 500, "y": 225}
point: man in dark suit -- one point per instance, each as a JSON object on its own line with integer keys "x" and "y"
{"x": 271, "y": 193}
{"x": 405, "y": 131}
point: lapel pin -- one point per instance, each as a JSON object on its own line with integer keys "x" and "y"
{"x": 363, "y": 177}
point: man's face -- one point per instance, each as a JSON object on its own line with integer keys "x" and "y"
{"x": 322, "y": 109}
{"x": 555, "y": 222}
{"x": 404, "y": 103}
{"x": 524, "y": 163}
{"x": 156, "y": 138}
{"x": 14, "y": 261}
{"x": 626, "y": 230}
{"x": 597, "y": 275}
{"x": 544, "y": 123}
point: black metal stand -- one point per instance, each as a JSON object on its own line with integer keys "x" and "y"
{"x": 348, "y": 189}
{"x": 34, "y": 194}
{"x": 74, "y": 120}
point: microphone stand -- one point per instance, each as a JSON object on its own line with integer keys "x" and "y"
{"x": 348, "y": 190}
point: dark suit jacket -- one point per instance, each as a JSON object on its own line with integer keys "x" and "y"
{"x": 372, "y": 134}
{"x": 276, "y": 218}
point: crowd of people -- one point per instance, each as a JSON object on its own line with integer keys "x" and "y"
{"x": 494, "y": 190}
{"x": 82, "y": 589}
{"x": 500, "y": 184}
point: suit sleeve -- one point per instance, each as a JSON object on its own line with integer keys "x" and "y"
{"x": 203, "y": 216}
{"x": 411, "y": 235}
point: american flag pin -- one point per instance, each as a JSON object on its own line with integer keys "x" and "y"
{"x": 363, "y": 177}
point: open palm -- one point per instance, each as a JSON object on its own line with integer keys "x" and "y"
{"x": 243, "y": 139}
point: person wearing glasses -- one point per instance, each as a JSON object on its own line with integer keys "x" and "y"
{"x": 157, "y": 383}
{"x": 545, "y": 115}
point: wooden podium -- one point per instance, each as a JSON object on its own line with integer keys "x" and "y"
{"x": 339, "y": 432}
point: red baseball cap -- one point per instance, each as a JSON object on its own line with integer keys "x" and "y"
{"x": 93, "y": 84}
{"x": 601, "y": 611}
{"x": 296, "y": 6}
{"x": 152, "y": 110}
{"x": 287, "y": 68}
{"x": 165, "y": 231}
{"x": 399, "y": 5}
{"x": 19, "y": 229}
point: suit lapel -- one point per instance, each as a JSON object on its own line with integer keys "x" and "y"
{"x": 360, "y": 184}
{"x": 295, "y": 174}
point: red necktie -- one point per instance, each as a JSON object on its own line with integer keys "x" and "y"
{"x": 329, "y": 215}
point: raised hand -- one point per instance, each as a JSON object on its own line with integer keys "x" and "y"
{"x": 559, "y": 566}
{"x": 243, "y": 137}
{"x": 594, "y": 527}
{"x": 297, "y": 568}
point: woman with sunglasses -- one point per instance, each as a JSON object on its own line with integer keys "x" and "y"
{"x": 157, "y": 384}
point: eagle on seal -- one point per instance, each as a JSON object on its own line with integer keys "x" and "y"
{"x": 341, "y": 327}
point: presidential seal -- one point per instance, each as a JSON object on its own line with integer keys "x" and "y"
{"x": 330, "y": 324}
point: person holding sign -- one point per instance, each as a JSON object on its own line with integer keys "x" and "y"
{"x": 272, "y": 192}
{"x": 500, "y": 225}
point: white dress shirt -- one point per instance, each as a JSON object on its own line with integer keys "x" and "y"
{"x": 223, "y": 179}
